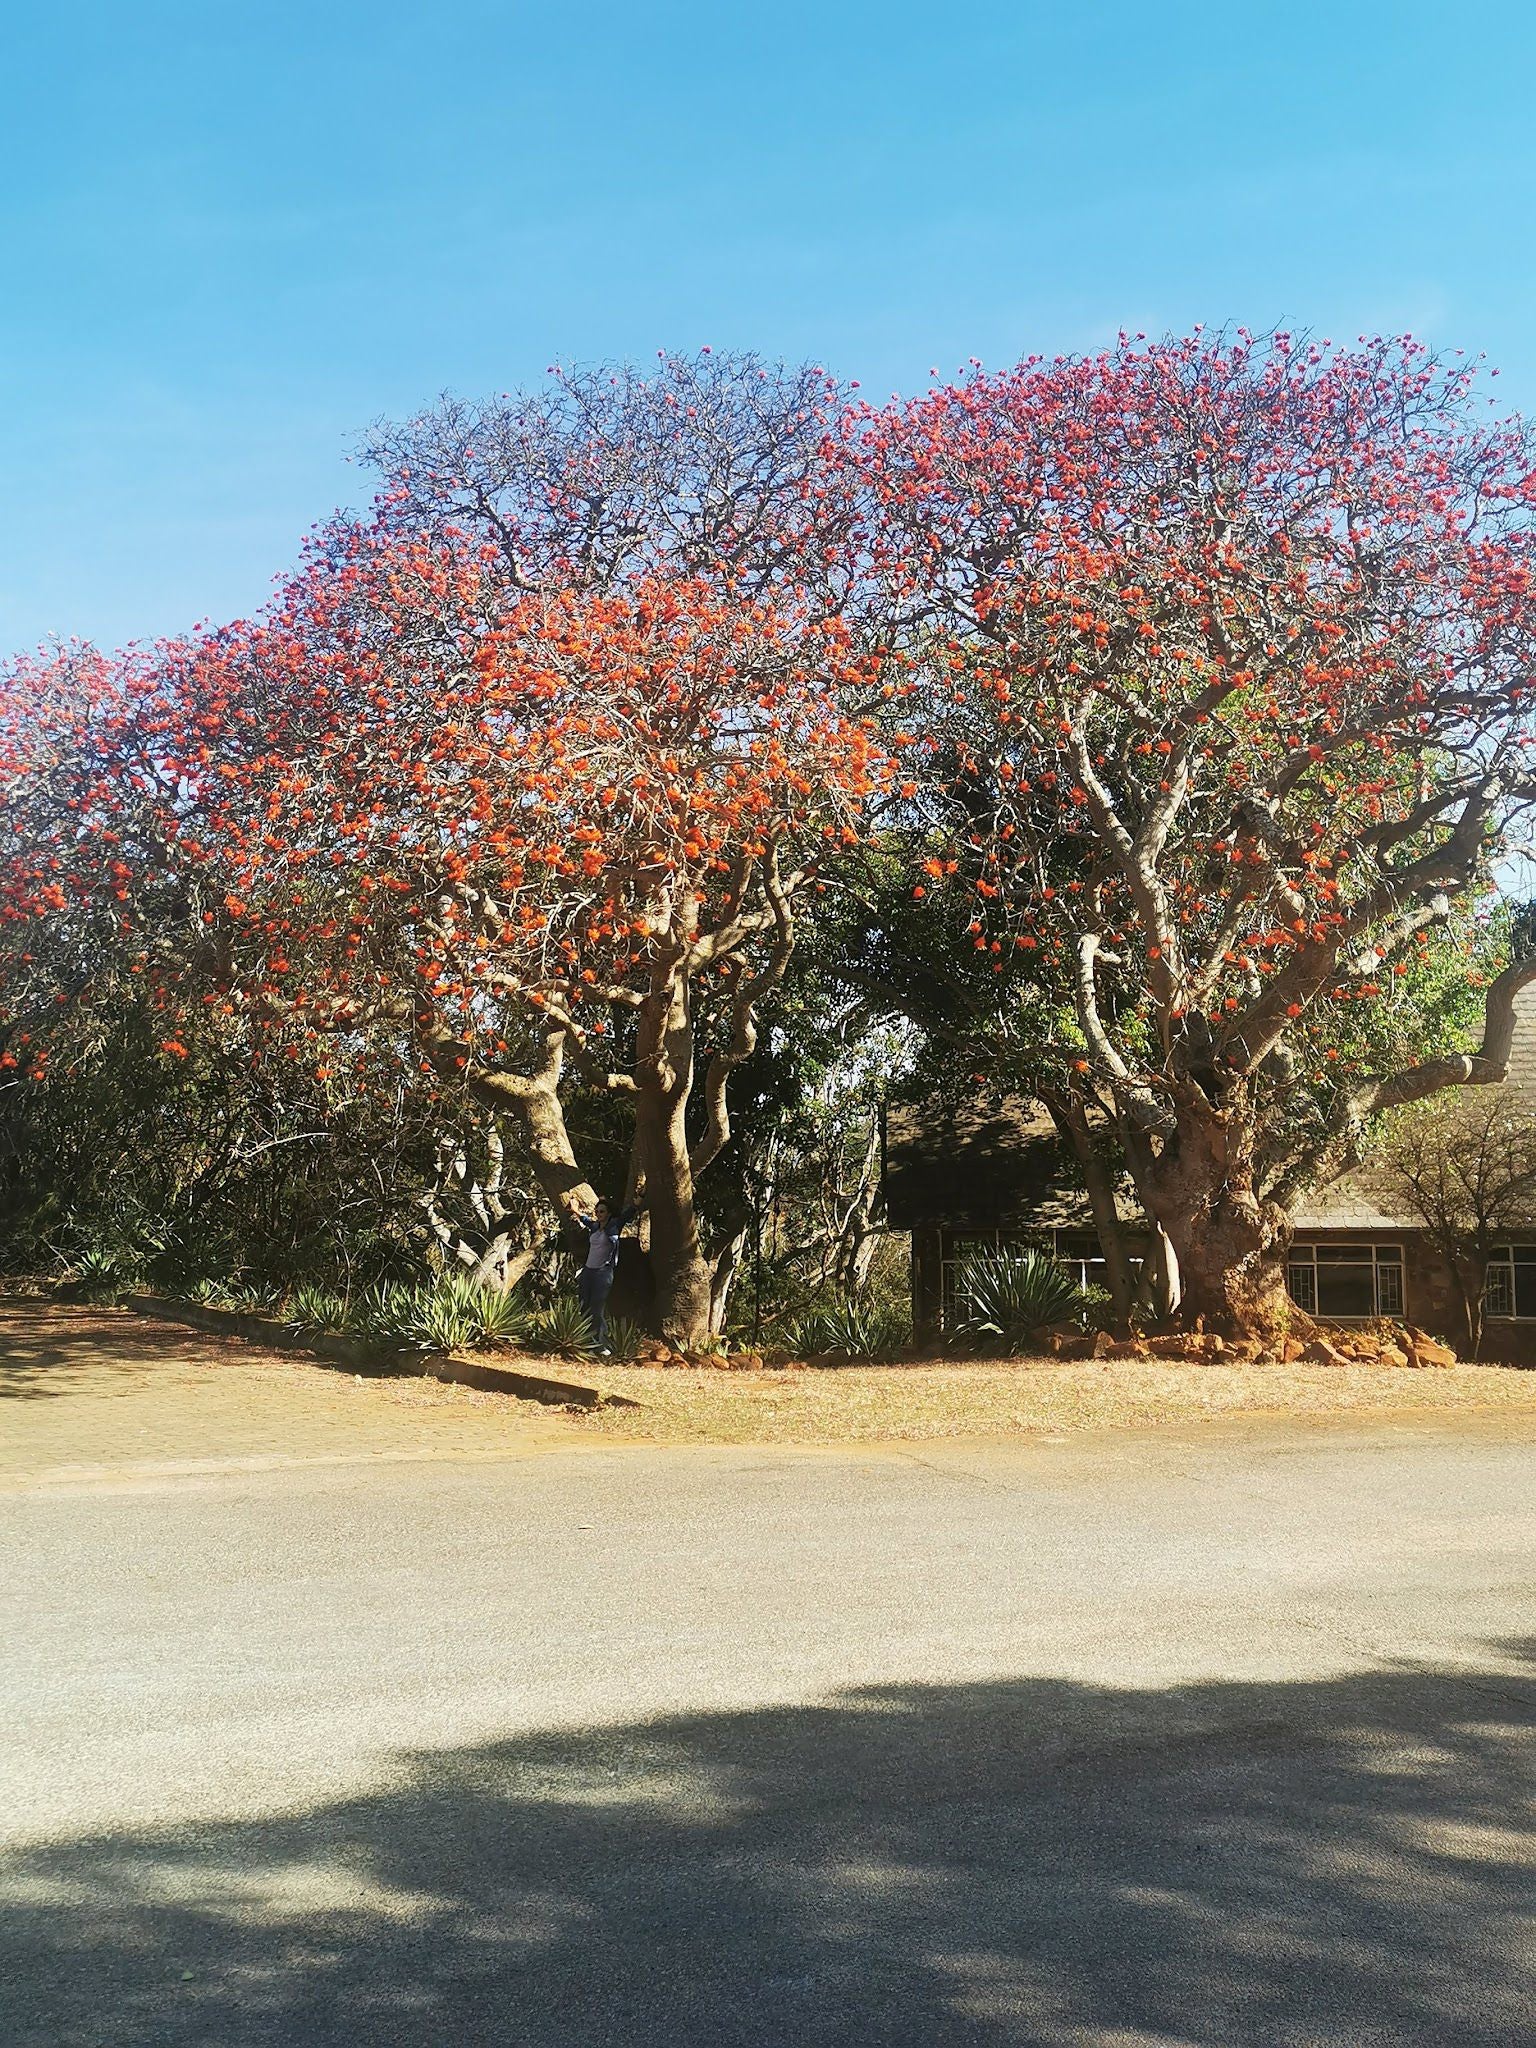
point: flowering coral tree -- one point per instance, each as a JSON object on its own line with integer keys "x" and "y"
{"x": 471, "y": 799}
{"x": 1229, "y": 648}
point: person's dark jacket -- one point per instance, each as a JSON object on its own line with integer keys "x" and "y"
{"x": 610, "y": 1232}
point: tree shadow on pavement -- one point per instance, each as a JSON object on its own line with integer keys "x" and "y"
{"x": 48, "y": 1349}
{"x": 1036, "y": 1861}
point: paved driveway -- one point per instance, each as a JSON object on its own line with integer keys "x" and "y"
{"x": 1141, "y": 1741}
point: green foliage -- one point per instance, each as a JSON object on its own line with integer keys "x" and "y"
{"x": 561, "y": 1327}
{"x": 857, "y": 1329}
{"x": 453, "y": 1312}
{"x": 624, "y": 1339}
{"x": 383, "y": 1312}
{"x": 311, "y": 1307}
{"x": 1003, "y": 1297}
{"x": 501, "y": 1315}
{"x": 253, "y": 1297}
{"x": 442, "y": 1317}
{"x": 102, "y": 1275}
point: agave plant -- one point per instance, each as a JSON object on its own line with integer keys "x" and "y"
{"x": 857, "y": 1329}
{"x": 253, "y": 1297}
{"x": 383, "y": 1312}
{"x": 500, "y": 1314}
{"x": 624, "y": 1339}
{"x": 315, "y": 1308}
{"x": 562, "y": 1327}
{"x": 102, "y": 1274}
{"x": 1003, "y": 1296}
{"x": 454, "y": 1312}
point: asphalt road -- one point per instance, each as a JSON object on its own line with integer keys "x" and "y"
{"x": 1140, "y": 1742}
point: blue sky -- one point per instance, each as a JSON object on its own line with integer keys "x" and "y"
{"x": 235, "y": 234}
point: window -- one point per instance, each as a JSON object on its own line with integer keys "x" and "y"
{"x": 1080, "y": 1252}
{"x": 1347, "y": 1282}
{"x": 1510, "y": 1287}
{"x": 1301, "y": 1277}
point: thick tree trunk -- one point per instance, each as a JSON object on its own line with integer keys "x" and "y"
{"x": 550, "y": 1153}
{"x": 664, "y": 1081}
{"x": 532, "y": 1101}
{"x": 678, "y": 1265}
{"x": 1232, "y": 1261}
{"x": 1230, "y": 1244}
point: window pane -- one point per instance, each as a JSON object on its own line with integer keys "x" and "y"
{"x": 1346, "y": 1290}
{"x": 1525, "y": 1290}
{"x": 1302, "y": 1283}
{"x": 1389, "y": 1290}
{"x": 1499, "y": 1289}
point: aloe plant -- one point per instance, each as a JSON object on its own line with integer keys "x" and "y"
{"x": 102, "y": 1274}
{"x": 855, "y": 1328}
{"x": 1002, "y": 1297}
{"x": 624, "y": 1339}
{"x": 315, "y": 1308}
{"x": 562, "y": 1327}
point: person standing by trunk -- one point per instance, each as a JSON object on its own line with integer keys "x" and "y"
{"x": 595, "y": 1283}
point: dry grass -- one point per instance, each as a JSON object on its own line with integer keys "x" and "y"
{"x": 86, "y": 1387}
{"x": 866, "y": 1404}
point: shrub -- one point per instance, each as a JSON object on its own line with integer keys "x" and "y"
{"x": 103, "y": 1274}
{"x": 624, "y": 1339}
{"x": 1003, "y": 1297}
{"x": 454, "y": 1312}
{"x": 253, "y": 1297}
{"x": 382, "y": 1312}
{"x": 315, "y": 1308}
{"x": 858, "y": 1329}
{"x": 561, "y": 1327}
{"x": 500, "y": 1314}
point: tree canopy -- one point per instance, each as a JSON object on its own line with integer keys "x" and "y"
{"x": 1181, "y": 693}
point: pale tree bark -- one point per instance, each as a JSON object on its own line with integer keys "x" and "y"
{"x": 725, "y": 1270}
{"x": 1229, "y": 1240}
{"x": 1197, "y": 1121}
{"x": 1069, "y": 1114}
{"x": 664, "y": 1067}
{"x": 468, "y": 1213}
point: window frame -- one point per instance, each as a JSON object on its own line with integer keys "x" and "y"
{"x": 1381, "y": 1256}
{"x": 1508, "y": 1258}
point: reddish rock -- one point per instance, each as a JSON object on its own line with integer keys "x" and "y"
{"x": 1321, "y": 1352}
